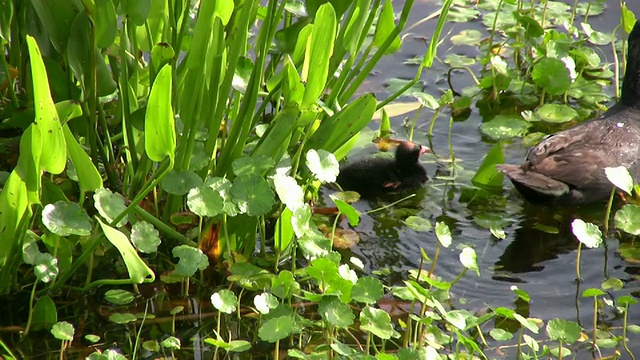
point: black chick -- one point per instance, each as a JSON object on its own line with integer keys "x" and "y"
{"x": 567, "y": 168}
{"x": 374, "y": 175}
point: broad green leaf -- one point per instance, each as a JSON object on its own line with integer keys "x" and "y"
{"x": 563, "y": 330}
{"x": 275, "y": 141}
{"x": 343, "y": 125}
{"x": 378, "y": 322}
{"x": 65, "y": 218}
{"x": 52, "y": 146}
{"x": 63, "y": 331}
{"x": 81, "y": 52}
{"x": 276, "y": 329}
{"x": 119, "y": 296}
{"x": 56, "y": 18}
{"x": 335, "y": 313}
{"x": 385, "y": 27}
{"x": 443, "y": 233}
{"x": 224, "y": 301}
{"x": 179, "y": 182}
{"x": 627, "y": 219}
{"x": 288, "y": 190}
{"x": 587, "y": 233}
{"x": 551, "y": 75}
{"x": 252, "y": 165}
{"x": 89, "y": 178}
{"x": 45, "y": 267}
{"x": 347, "y": 210}
{"x": 252, "y": 195}
{"x": 159, "y": 125}
{"x": 367, "y": 290}
{"x": 6, "y": 16}
{"x": 468, "y": 259}
{"x": 556, "y": 113}
{"x": 418, "y": 224}
{"x": 323, "y": 165}
{"x": 139, "y": 272}
{"x": 265, "y": 302}
{"x": 122, "y": 318}
{"x": 110, "y": 205}
{"x": 145, "y": 237}
{"x": 355, "y": 26}
{"x": 171, "y": 342}
{"x": 191, "y": 260}
{"x": 45, "y": 313}
{"x": 620, "y": 177}
{"x": 204, "y": 201}
{"x": 105, "y": 22}
{"x": 487, "y": 174}
{"x": 504, "y": 127}
{"x": 318, "y": 53}
{"x": 136, "y": 10}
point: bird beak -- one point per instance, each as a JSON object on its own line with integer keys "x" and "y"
{"x": 424, "y": 150}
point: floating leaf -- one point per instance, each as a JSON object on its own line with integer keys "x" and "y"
{"x": 119, "y": 297}
{"x": 418, "y": 224}
{"x": 504, "y": 127}
{"x": 556, "y": 113}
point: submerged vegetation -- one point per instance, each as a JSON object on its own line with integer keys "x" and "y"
{"x": 163, "y": 164}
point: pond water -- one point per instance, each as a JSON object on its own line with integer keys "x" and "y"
{"x": 541, "y": 263}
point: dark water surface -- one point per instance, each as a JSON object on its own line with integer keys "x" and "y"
{"x": 538, "y": 262}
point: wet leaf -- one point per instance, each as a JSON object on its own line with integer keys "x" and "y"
{"x": 378, "y": 322}
{"x": 323, "y": 165}
{"x": 65, "y": 218}
{"x": 556, "y": 113}
{"x": 63, "y": 331}
{"x": 418, "y": 224}
{"x": 620, "y": 177}
{"x": 627, "y": 219}
{"x": 252, "y": 195}
{"x": 587, "y": 233}
{"x": 335, "y": 313}
{"x": 191, "y": 260}
{"x": 110, "y": 205}
{"x": 276, "y": 329}
{"x": 119, "y": 297}
{"x": 179, "y": 182}
{"x": 443, "y": 233}
{"x": 504, "y": 127}
{"x": 145, "y": 237}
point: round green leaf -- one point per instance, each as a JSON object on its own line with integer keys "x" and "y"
{"x": 587, "y": 233}
{"x": 252, "y": 195}
{"x": 179, "y": 182}
{"x": 627, "y": 219}
{"x": 63, "y": 331}
{"x": 323, "y": 165}
{"x": 145, "y": 237}
{"x": 225, "y": 301}
{"x": 551, "y": 75}
{"x": 66, "y": 218}
{"x": 556, "y": 113}
{"x": 191, "y": 260}
{"x": 110, "y": 205}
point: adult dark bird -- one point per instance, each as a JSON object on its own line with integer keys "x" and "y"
{"x": 567, "y": 168}
{"x": 376, "y": 175}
